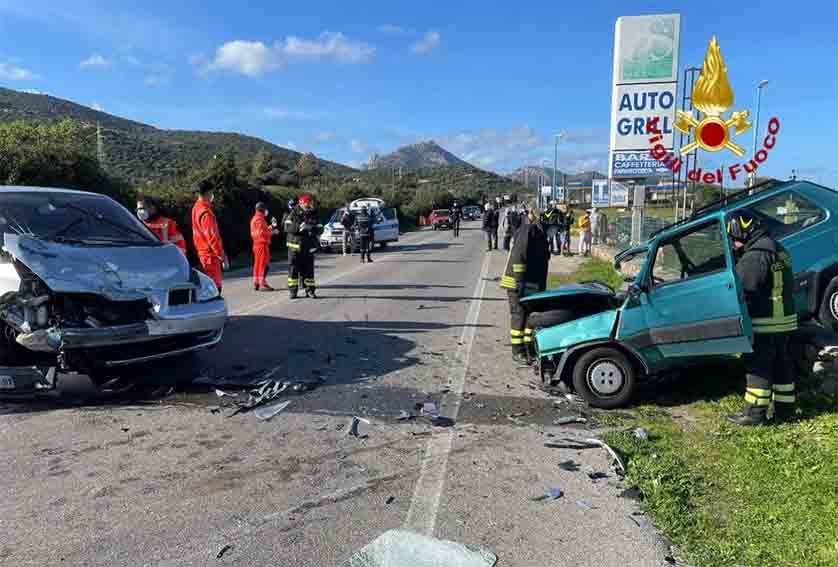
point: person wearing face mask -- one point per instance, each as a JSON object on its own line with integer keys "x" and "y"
{"x": 261, "y": 233}
{"x": 164, "y": 228}
{"x": 206, "y": 236}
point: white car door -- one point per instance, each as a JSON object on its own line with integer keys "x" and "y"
{"x": 387, "y": 225}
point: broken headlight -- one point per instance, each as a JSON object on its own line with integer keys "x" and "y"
{"x": 207, "y": 289}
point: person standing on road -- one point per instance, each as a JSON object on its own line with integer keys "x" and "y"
{"x": 585, "y": 234}
{"x": 525, "y": 274}
{"x": 261, "y": 233}
{"x": 490, "y": 227}
{"x": 164, "y": 228}
{"x": 206, "y": 236}
{"x": 364, "y": 226}
{"x": 764, "y": 268}
{"x": 456, "y": 217}
{"x": 301, "y": 227}
{"x": 347, "y": 220}
{"x": 550, "y": 222}
{"x": 569, "y": 220}
{"x": 511, "y": 223}
{"x": 595, "y": 226}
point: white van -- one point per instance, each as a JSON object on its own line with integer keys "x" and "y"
{"x": 386, "y": 226}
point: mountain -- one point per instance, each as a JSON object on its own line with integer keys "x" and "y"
{"x": 140, "y": 152}
{"x": 417, "y": 156}
{"x": 530, "y": 175}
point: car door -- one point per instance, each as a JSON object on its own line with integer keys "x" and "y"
{"x": 692, "y": 302}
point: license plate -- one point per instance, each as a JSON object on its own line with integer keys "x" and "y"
{"x": 7, "y": 383}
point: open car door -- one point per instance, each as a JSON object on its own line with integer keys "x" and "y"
{"x": 690, "y": 302}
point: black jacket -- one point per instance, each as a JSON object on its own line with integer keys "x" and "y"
{"x": 302, "y": 229}
{"x": 529, "y": 259}
{"x": 490, "y": 219}
{"x": 551, "y": 217}
{"x": 364, "y": 225}
{"x": 765, "y": 270}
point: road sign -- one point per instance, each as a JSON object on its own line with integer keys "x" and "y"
{"x": 600, "y": 195}
{"x": 619, "y": 194}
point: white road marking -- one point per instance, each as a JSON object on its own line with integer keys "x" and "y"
{"x": 421, "y": 516}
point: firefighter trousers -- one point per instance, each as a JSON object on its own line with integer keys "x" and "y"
{"x": 770, "y": 374}
{"x": 520, "y": 336}
{"x": 366, "y": 247}
{"x": 300, "y": 270}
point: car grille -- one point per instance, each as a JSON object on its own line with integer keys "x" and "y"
{"x": 181, "y": 296}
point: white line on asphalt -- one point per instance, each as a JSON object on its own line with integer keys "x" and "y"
{"x": 249, "y": 310}
{"x": 421, "y": 516}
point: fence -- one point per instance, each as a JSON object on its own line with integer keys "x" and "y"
{"x": 619, "y": 229}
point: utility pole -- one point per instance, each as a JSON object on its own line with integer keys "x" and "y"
{"x": 762, "y": 83}
{"x": 100, "y": 146}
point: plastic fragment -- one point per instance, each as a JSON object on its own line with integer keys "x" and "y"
{"x": 549, "y": 494}
{"x": 267, "y": 412}
{"x": 641, "y": 434}
{"x": 404, "y": 415}
{"x": 223, "y": 550}
{"x": 406, "y": 548}
{"x": 570, "y": 419}
{"x": 584, "y": 504}
{"x": 354, "y": 430}
{"x": 621, "y": 466}
{"x": 571, "y": 466}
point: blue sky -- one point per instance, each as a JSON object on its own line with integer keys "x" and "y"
{"x": 490, "y": 80}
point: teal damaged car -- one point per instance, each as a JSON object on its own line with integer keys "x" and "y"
{"x": 685, "y": 302}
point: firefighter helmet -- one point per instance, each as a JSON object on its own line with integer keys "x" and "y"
{"x": 742, "y": 226}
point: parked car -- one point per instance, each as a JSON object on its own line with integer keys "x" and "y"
{"x": 441, "y": 219}
{"x": 386, "y": 228}
{"x": 472, "y": 212}
{"x": 85, "y": 287}
{"x": 686, "y": 303}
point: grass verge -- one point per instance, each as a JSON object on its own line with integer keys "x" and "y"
{"x": 591, "y": 269}
{"x": 726, "y": 495}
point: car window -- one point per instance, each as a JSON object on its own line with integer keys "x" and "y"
{"x": 442, "y": 212}
{"x": 786, "y": 213}
{"x": 691, "y": 254}
{"x": 389, "y": 214}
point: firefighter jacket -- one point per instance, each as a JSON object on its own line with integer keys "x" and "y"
{"x": 526, "y": 268}
{"x": 165, "y": 229}
{"x": 767, "y": 278}
{"x": 549, "y": 218}
{"x": 205, "y": 234}
{"x": 301, "y": 227}
{"x": 260, "y": 232}
{"x": 364, "y": 225}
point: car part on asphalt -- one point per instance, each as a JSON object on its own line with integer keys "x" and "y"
{"x": 570, "y": 466}
{"x": 267, "y": 412}
{"x": 354, "y": 428}
{"x": 618, "y": 463}
{"x": 402, "y": 548}
{"x": 570, "y": 419}
{"x": 223, "y": 550}
{"x": 549, "y": 494}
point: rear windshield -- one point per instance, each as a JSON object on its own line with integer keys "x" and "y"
{"x": 389, "y": 214}
{"x": 71, "y": 217}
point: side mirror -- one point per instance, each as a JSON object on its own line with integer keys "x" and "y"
{"x": 634, "y": 291}
{"x": 617, "y": 266}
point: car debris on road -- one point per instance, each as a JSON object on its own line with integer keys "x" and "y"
{"x": 403, "y": 547}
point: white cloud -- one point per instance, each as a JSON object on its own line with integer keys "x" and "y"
{"x": 358, "y": 146}
{"x": 281, "y": 113}
{"x": 97, "y": 106}
{"x": 428, "y": 43}
{"x": 95, "y": 61}
{"x": 12, "y": 72}
{"x": 291, "y": 145}
{"x": 391, "y": 29}
{"x": 255, "y": 58}
{"x": 324, "y": 137}
{"x": 33, "y": 91}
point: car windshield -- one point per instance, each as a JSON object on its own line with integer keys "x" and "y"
{"x": 72, "y": 218}
{"x": 442, "y": 212}
{"x": 336, "y": 216}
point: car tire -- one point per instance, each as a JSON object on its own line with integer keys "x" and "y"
{"x": 828, "y": 312}
{"x": 605, "y": 378}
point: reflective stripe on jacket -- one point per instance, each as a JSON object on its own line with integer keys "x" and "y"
{"x": 765, "y": 270}
{"x": 526, "y": 267}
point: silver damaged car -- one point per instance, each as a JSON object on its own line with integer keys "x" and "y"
{"x": 86, "y": 288}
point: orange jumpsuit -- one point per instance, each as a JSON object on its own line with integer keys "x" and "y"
{"x": 261, "y": 234}
{"x": 207, "y": 240}
{"x": 165, "y": 229}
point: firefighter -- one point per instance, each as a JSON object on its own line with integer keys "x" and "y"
{"x": 456, "y": 217}
{"x": 205, "y": 235}
{"x": 301, "y": 227}
{"x": 164, "y": 228}
{"x": 261, "y": 233}
{"x": 364, "y": 227}
{"x": 525, "y": 274}
{"x": 765, "y": 271}
{"x": 550, "y": 222}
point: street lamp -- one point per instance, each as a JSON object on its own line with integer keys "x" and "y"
{"x": 558, "y": 137}
{"x": 760, "y": 85}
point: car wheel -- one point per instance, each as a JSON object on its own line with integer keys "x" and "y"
{"x": 828, "y": 312}
{"x": 605, "y": 378}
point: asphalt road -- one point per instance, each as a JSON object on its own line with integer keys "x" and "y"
{"x": 170, "y": 481}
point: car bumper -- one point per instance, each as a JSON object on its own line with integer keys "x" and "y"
{"x": 331, "y": 241}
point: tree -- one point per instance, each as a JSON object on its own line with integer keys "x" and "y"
{"x": 262, "y": 165}
{"x": 308, "y": 166}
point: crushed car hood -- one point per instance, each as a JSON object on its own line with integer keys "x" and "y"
{"x": 567, "y": 296}
{"x": 118, "y": 273}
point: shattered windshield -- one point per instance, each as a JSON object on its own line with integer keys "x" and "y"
{"x": 71, "y": 218}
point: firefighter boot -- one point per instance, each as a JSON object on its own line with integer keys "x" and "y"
{"x": 519, "y": 355}
{"x": 749, "y": 416}
{"x": 311, "y": 293}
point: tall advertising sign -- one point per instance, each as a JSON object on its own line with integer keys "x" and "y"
{"x": 644, "y": 89}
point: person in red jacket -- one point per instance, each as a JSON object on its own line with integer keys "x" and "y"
{"x": 261, "y": 233}
{"x": 164, "y": 228}
{"x": 205, "y": 235}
